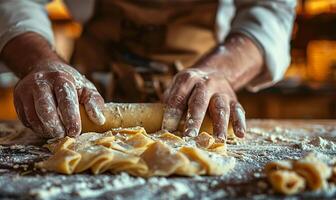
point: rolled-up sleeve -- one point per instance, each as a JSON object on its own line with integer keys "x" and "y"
{"x": 20, "y": 16}
{"x": 269, "y": 23}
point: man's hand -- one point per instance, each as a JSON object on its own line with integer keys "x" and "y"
{"x": 47, "y": 100}
{"x": 48, "y": 95}
{"x": 210, "y": 86}
{"x": 199, "y": 90}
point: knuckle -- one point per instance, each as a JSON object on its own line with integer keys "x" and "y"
{"x": 198, "y": 102}
{"x": 59, "y": 74}
{"x": 194, "y": 121}
{"x": 38, "y": 76}
{"x": 201, "y": 85}
{"x": 176, "y": 101}
{"x": 185, "y": 75}
{"x": 220, "y": 106}
{"x": 68, "y": 103}
{"x": 199, "y": 99}
{"x": 189, "y": 74}
{"x": 237, "y": 106}
{"x": 217, "y": 96}
{"x": 219, "y": 103}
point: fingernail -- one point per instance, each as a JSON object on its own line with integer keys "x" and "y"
{"x": 242, "y": 119}
{"x": 222, "y": 138}
{"x": 100, "y": 118}
{"x": 58, "y": 132}
{"x": 240, "y": 132}
{"x": 191, "y": 132}
{"x": 96, "y": 115}
{"x": 171, "y": 119}
{"x": 73, "y": 131}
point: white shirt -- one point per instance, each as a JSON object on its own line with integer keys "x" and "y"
{"x": 267, "y": 22}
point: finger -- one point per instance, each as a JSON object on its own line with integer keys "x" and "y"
{"x": 238, "y": 119}
{"x": 30, "y": 115}
{"x": 219, "y": 109}
{"x": 197, "y": 107}
{"x": 93, "y": 103}
{"x": 176, "y": 102}
{"x": 20, "y": 111}
{"x": 68, "y": 106}
{"x": 46, "y": 111}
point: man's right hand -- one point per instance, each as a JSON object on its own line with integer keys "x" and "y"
{"x": 47, "y": 100}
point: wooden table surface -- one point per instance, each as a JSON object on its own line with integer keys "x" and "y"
{"x": 266, "y": 140}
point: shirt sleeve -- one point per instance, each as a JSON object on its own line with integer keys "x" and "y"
{"x": 269, "y": 24}
{"x": 20, "y": 16}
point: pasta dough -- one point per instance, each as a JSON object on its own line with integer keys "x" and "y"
{"x": 134, "y": 151}
{"x": 286, "y": 182}
{"x": 314, "y": 171}
{"x": 290, "y": 177}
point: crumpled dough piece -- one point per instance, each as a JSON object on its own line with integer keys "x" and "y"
{"x": 139, "y": 140}
{"x": 278, "y": 165}
{"x": 286, "y": 182}
{"x": 211, "y": 163}
{"x": 283, "y": 175}
{"x": 171, "y": 139}
{"x": 314, "y": 171}
{"x": 161, "y": 160}
{"x": 204, "y": 140}
{"x": 105, "y": 141}
{"x": 219, "y": 148}
{"x": 134, "y": 151}
{"x": 63, "y": 143}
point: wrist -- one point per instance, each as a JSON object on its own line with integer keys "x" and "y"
{"x": 238, "y": 60}
{"x": 26, "y": 51}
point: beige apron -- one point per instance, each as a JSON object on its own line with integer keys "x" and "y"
{"x": 143, "y": 43}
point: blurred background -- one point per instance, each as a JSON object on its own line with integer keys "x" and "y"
{"x": 307, "y": 91}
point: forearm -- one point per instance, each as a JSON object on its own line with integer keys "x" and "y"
{"x": 26, "y": 51}
{"x": 238, "y": 59}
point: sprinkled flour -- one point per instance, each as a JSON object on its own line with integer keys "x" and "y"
{"x": 265, "y": 141}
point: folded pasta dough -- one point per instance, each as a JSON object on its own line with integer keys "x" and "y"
{"x": 171, "y": 139}
{"x": 139, "y": 140}
{"x": 210, "y": 162}
{"x": 204, "y": 140}
{"x": 286, "y": 182}
{"x": 285, "y": 176}
{"x": 97, "y": 156}
{"x": 134, "y": 151}
{"x": 161, "y": 160}
{"x": 63, "y": 161}
{"x": 314, "y": 171}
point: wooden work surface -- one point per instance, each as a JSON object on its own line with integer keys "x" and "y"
{"x": 266, "y": 140}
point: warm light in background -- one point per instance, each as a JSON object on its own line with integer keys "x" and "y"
{"x": 57, "y": 10}
{"x": 7, "y": 110}
{"x": 314, "y": 7}
{"x": 321, "y": 57}
{"x": 65, "y": 30}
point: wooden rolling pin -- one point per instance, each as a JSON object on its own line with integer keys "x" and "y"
{"x": 147, "y": 115}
